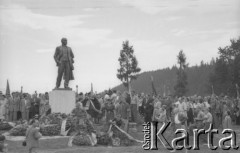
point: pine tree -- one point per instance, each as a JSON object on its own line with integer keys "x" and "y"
{"x": 226, "y": 73}
{"x": 129, "y": 69}
{"x": 181, "y": 85}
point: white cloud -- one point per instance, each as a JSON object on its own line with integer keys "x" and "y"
{"x": 156, "y": 6}
{"x": 68, "y": 26}
{"x": 20, "y": 15}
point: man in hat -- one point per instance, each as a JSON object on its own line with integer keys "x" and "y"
{"x": 64, "y": 60}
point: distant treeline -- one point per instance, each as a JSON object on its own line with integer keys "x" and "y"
{"x": 198, "y": 77}
{"x": 220, "y": 75}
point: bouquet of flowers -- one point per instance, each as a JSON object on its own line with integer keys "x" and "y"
{"x": 50, "y": 130}
{"x": 19, "y": 130}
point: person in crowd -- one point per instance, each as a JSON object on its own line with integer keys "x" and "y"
{"x": 174, "y": 116}
{"x": 42, "y": 105}
{"x": 133, "y": 105}
{"x": 141, "y": 104}
{"x": 10, "y": 108}
{"x": 79, "y": 111}
{"x": 200, "y": 117}
{"x": 123, "y": 112}
{"x": 182, "y": 107}
{"x": 47, "y": 107}
{"x": 35, "y": 104}
{"x": 32, "y": 136}
{"x": 79, "y": 97}
{"x": 80, "y": 114}
{"x": 224, "y": 110}
{"x": 108, "y": 109}
{"x": 227, "y": 122}
{"x": 23, "y": 107}
{"x": 2, "y": 106}
{"x": 15, "y": 106}
{"x": 3, "y": 146}
{"x": 208, "y": 119}
{"x": 218, "y": 112}
{"x": 148, "y": 110}
{"x": 206, "y": 102}
{"x": 168, "y": 107}
{"x": 157, "y": 112}
{"x": 190, "y": 114}
{"x": 6, "y": 112}
{"x": 17, "y": 111}
{"x": 195, "y": 106}
{"x": 157, "y": 103}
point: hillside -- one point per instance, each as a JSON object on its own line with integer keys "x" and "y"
{"x": 198, "y": 78}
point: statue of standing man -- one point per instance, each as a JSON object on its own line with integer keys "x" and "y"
{"x": 64, "y": 60}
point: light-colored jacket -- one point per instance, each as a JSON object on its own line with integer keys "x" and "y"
{"x": 32, "y": 137}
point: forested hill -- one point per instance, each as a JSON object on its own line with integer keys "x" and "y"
{"x": 198, "y": 80}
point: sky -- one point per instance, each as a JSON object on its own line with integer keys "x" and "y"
{"x": 157, "y": 29}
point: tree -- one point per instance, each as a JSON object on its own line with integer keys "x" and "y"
{"x": 129, "y": 69}
{"x": 181, "y": 86}
{"x": 226, "y": 74}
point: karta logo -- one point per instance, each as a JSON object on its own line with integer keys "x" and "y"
{"x": 151, "y": 136}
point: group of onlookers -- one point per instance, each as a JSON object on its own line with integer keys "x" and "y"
{"x": 146, "y": 108}
{"x": 122, "y": 108}
{"x": 23, "y": 106}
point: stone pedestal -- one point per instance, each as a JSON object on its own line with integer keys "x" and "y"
{"x": 62, "y": 101}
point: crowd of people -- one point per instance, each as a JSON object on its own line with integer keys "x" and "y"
{"x": 134, "y": 107}
{"x": 193, "y": 111}
{"x": 23, "y": 106}
{"x": 122, "y": 108}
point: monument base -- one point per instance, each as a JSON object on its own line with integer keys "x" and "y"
{"x": 62, "y": 101}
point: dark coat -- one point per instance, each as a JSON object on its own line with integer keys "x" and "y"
{"x": 148, "y": 110}
{"x": 57, "y": 57}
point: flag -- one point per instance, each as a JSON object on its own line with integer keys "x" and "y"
{"x": 8, "y": 94}
{"x": 91, "y": 88}
{"x": 212, "y": 90}
{"x": 153, "y": 87}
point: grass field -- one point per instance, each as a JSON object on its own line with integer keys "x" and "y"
{"x": 60, "y": 146}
